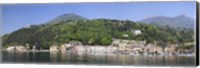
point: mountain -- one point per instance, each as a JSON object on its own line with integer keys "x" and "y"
{"x": 67, "y": 17}
{"x": 92, "y": 32}
{"x": 178, "y": 21}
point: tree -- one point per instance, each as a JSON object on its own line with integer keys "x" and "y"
{"x": 91, "y": 41}
{"x": 106, "y": 41}
{"x": 163, "y": 39}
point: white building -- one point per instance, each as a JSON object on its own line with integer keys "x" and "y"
{"x": 136, "y": 32}
{"x": 27, "y": 26}
{"x": 125, "y": 35}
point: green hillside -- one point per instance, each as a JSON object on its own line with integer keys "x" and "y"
{"x": 95, "y": 32}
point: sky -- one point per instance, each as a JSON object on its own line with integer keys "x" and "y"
{"x": 16, "y": 16}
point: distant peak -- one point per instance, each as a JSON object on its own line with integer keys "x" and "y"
{"x": 181, "y": 15}
{"x": 157, "y": 17}
{"x": 68, "y": 17}
{"x": 70, "y": 14}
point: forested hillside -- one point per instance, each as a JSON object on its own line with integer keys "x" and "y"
{"x": 96, "y": 32}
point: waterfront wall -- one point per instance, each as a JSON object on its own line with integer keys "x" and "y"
{"x": 17, "y": 48}
{"x": 118, "y": 46}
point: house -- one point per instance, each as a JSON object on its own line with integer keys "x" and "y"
{"x": 170, "y": 48}
{"x": 65, "y": 47}
{"x": 54, "y": 48}
{"x": 151, "y": 48}
{"x": 111, "y": 49}
{"x": 125, "y": 35}
{"x": 136, "y": 48}
{"x": 75, "y": 43}
{"x": 97, "y": 49}
{"x": 136, "y": 32}
{"x": 79, "y": 50}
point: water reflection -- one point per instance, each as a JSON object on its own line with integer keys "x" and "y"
{"x": 95, "y": 58}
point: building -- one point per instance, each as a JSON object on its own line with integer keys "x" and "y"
{"x": 125, "y": 35}
{"x": 136, "y": 32}
{"x": 54, "y": 48}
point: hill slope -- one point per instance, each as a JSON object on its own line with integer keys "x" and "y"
{"x": 67, "y": 17}
{"x": 178, "y": 21}
{"x": 93, "y": 32}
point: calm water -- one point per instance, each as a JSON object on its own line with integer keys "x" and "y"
{"x": 105, "y": 59}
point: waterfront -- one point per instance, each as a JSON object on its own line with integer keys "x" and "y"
{"x": 95, "y": 58}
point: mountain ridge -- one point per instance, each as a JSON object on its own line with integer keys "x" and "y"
{"x": 66, "y": 17}
{"x": 181, "y": 20}
{"x": 178, "y": 21}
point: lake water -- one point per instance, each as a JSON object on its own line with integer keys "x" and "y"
{"x": 104, "y": 59}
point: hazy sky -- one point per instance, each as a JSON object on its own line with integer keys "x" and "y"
{"x": 16, "y": 16}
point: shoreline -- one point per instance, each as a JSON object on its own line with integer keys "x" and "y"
{"x": 150, "y": 55}
{"x": 136, "y": 48}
